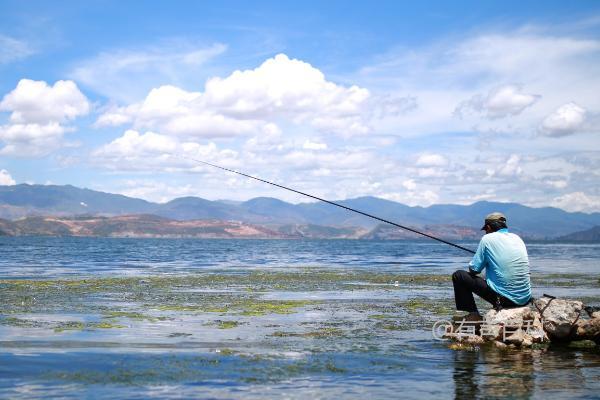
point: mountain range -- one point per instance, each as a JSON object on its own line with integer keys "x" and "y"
{"x": 24, "y": 200}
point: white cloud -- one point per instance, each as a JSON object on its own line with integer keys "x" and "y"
{"x": 566, "y": 120}
{"x": 35, "y": 102}
{"x": 252, "y": 101}
{"x": 127, "y": 74}
{"x": 578, "y": 201}
{"x": 409, "y": 184}
{"x": 443, "y": 74}
{"x": 153, "y": 152}
{"x": 5, "y": 178}
{"x": 310, "y": 145}
{"x": 500, "y": 102}
{"x": 12, "y": 49}
{"x": 38, "y": 114}
{"x": 431, "y": 160}
{"x": 511, "y": 167}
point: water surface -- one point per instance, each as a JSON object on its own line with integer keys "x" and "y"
{"x": 156, "y": 318}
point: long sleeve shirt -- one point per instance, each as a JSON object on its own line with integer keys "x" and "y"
{"x": 504, "y": 257}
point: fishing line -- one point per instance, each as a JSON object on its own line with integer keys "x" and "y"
{"x": 333, "y": 203}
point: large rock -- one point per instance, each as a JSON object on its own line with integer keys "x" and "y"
{"x": 559, "y": 317}
{"x": 588, "y": 330}
{"x": 501, "y": 325}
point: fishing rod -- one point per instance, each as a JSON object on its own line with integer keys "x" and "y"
{"x": 334, "y": 204}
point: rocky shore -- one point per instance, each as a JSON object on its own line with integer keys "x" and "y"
{"x": 547, "y": 320}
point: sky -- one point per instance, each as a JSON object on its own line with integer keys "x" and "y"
{"x": 428, "y": 103}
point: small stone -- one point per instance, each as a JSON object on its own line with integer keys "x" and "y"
{"x": 516, "y": 338}
{"x": 474, "y": 340}
{"x": 500, "y": 345}
{"x": 588, "y": 329}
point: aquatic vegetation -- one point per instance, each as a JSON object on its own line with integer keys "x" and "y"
{"x": 380, "y": 316}
{"x": 104, "y": 325}
{"x": 179, "y": 334}
{"x": 70, "y": 326}
{"x": 253, "y": 307}
{"x": 392, "y": 326}
{"x": 132, "y": 315}
{"x": 583, "y": 344}
{"x": 225, "y": 324}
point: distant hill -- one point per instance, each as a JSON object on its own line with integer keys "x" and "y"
{"x": 146, "y": 226}
{"x": 25, "y": 200}
{"x": 589, "y": 236}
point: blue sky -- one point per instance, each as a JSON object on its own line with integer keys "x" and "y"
{"x": 436, "y": 102}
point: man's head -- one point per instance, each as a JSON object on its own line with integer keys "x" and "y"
{"x": 493, "y": 222}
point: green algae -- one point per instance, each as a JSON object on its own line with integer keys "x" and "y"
{"x": 258, "y": 307}
{"x": 178, "y": 308}
{"x": 105, "y": 325}
{"x": 392, "y": 326}
{"x": 582, "y": 344}
{"x": 226, "y": 324}
{"x": 70, "y": 326}
{"x": 318, "y": 334}
{"x": 380, "y": 316}
{"x": 131, "y": 315}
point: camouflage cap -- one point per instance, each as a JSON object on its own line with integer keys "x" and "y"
{"x": 495, "y": 216}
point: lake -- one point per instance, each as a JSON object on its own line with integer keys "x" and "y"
{"x": 297, "y": 319}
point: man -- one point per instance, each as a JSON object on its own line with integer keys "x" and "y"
{"x": 504, "y": 257}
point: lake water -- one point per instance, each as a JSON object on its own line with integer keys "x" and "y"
{"x": 175, "y": 318}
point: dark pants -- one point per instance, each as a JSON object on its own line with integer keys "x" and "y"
{"x": 467, "y": 283}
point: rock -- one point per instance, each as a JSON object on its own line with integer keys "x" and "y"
{"x": 527, "y": 341}
{"x": 500, "y": 345}
{"x": 474, "y": 340}
{"x": 520, "y": 338}
{"x": 500, "y": 324}
{"x": 516, "y": 338}
{"x": 558, "y": 316}
{"x": 588, "y": 330}
{"x": 465, "y": 338}
{"x": 593, "y": 311}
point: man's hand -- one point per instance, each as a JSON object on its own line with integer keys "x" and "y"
{"x": 473, "y": 273}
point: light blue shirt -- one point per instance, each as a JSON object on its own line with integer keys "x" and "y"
{"x": 504, "y": 257}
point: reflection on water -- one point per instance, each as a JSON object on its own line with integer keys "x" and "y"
{"x": 495, "y": 373}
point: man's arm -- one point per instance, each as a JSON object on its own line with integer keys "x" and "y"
{"x": 478, "y": 263}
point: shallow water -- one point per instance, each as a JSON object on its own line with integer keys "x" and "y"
{"x": 143, "y": 318}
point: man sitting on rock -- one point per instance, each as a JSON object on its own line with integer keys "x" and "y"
{"x": 504, "y": 257}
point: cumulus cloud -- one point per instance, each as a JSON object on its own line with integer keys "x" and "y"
{"x": 38, "y": 103}
{"x": 578, "y": 201}
{"x": 409, "y": 184}
{"x": 12, "y": 49}
{"x": 154, "y": 152}
{"x": 38, "y": 114}
{"x": 252, "y": 101}
{"x": 310, "y": 145}
{"x": 510, "y": 168}
{"x": 431, "y": 160}
{"x": 5, "y": 178}
{"x": 499, "y": 102}
{"x": 566, "y": 120}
